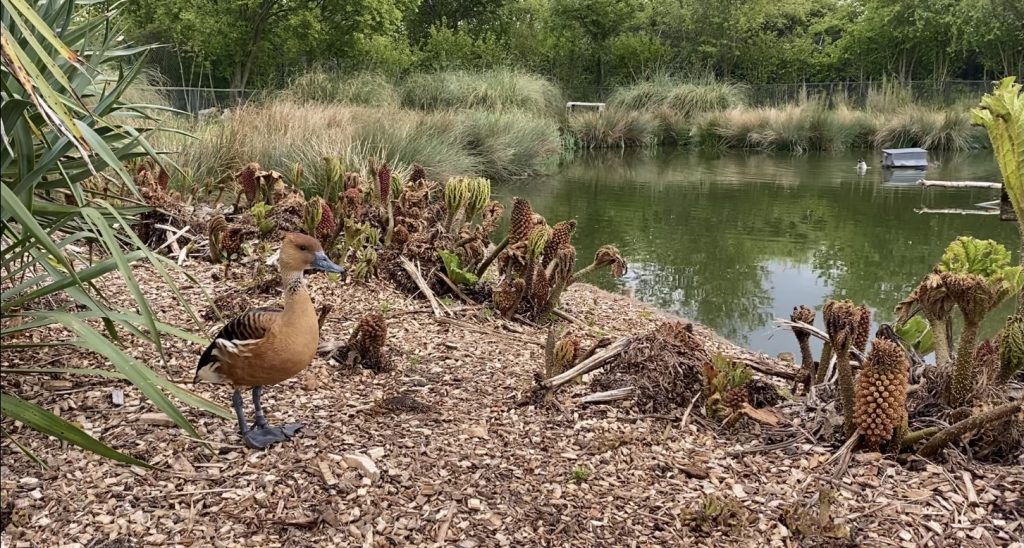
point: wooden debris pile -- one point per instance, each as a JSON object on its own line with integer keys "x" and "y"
{"x": 168, "y": 214}
{"x": 662, "y": 366}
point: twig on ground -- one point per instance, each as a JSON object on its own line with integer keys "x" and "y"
{"x": 981, "y": 420}
{"x": 456, "y": 289}
{"x": 686, "y": 414}
{"x": 417, "y": 278}
{"x": 590, "y": 364}
{"x": 609, "y": 395}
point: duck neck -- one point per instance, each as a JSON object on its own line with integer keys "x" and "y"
{"x": 296, "y": 297}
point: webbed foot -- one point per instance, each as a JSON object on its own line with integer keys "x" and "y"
{"x": 263, "y": 437}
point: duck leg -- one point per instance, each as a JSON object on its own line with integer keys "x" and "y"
{"x": 261, "y": 419}
{"x": 264, "y": 435}
{"x": 236, "y": 404}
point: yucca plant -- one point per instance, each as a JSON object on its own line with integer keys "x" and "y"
{"x": 64, "y": 129}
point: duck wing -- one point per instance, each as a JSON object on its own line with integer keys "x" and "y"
{"x": 248, "y": 328}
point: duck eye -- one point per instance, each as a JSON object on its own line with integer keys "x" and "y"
{"x": 303, "y": 248}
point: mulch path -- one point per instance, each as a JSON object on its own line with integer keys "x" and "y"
{"x": 460, "y": 462}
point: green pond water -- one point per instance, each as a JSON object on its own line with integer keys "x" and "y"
{"x": 734, "y": 241}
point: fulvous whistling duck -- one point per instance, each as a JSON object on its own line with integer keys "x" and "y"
{"x": 266, "y": 346}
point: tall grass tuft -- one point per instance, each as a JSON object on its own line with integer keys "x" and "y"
{"x": 860, "y": 125}
{"x": 613, "y": 128}
{"x": 916, "y": 126}
{"x": 498, "y": 90}
{"x": 809, "y": 126}
{"x": 888, "y": 96}
{"x": 675, "y": 128}
{"x": 436, "y": 141}
{"x": 360, "y": 89}
{"x": 511, "y": 144}
{"x": 280, "y": 134}
{"x": 688, "y": 98}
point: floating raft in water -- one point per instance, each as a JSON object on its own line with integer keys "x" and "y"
{"x": 916, "y": 158}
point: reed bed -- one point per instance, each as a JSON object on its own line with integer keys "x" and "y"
{"x": 810, "y": 127}
{"x": 613, "y": 128}
{"x": 687, "y": 98}
{"x": 505, "y": 124}
{"x": 500, "y": 90}
{"x": 281, "y": 134}
{"x": 360, "y": 89}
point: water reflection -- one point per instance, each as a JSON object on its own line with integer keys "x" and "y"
{"x": 736, "y": 240}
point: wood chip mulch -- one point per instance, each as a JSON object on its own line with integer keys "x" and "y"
{"x": 437, "y": 452}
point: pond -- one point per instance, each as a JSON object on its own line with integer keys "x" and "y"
{"x": 736, "y": 240}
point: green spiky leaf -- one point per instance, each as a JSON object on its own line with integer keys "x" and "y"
{"x": 40, "y": 419}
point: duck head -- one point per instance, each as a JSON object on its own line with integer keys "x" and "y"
{"x": 300, "y": 252}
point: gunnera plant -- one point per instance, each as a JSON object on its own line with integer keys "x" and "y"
{"x": 1011, "y": 349}
{"x": 841, "y": 319}
{"x": 805, "y": 315}
{"x": 880, "y": 401}
{"x": 977, "y": 276}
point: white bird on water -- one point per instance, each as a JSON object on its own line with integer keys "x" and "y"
{"x": 861, "y": 166}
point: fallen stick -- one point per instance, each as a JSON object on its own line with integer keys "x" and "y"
{"x": 482, "y": 269}
{"x": 172, "y": 236}
{"x": 470, "y": 327}
{"x": 956, "y": 211}
{"x": 170, "y": 228}
{"x": 569, "y": 318}
{"x": 686, "y": 414}
{"x": 603, "y": 342}
{"x": 456, "y": 289}
{"x": 959, "y": 184}
{"x": 590, "y": 364}
{"x": 609, "y": 395}
{"x": 442, "y": 530}
{"x": 939, "y": 441}
{"x": 764, "y": 367}
{"x": 817, "y": 333}
{"x": 417, "y": 278}
{"x": 846, "y": 449}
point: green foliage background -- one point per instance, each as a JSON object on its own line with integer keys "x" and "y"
{"x": 584, "y": 45}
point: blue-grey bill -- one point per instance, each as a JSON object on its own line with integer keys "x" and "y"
{"x": 321, "y": 262}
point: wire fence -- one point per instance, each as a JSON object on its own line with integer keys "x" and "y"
{"x": 943, "y": 92}
{"x": 197, "y": 100}
{"x": 929, "y": 92}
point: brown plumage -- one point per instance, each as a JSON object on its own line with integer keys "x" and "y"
{"x": 265, "y": 346}
{"x": 269, "y": 345}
